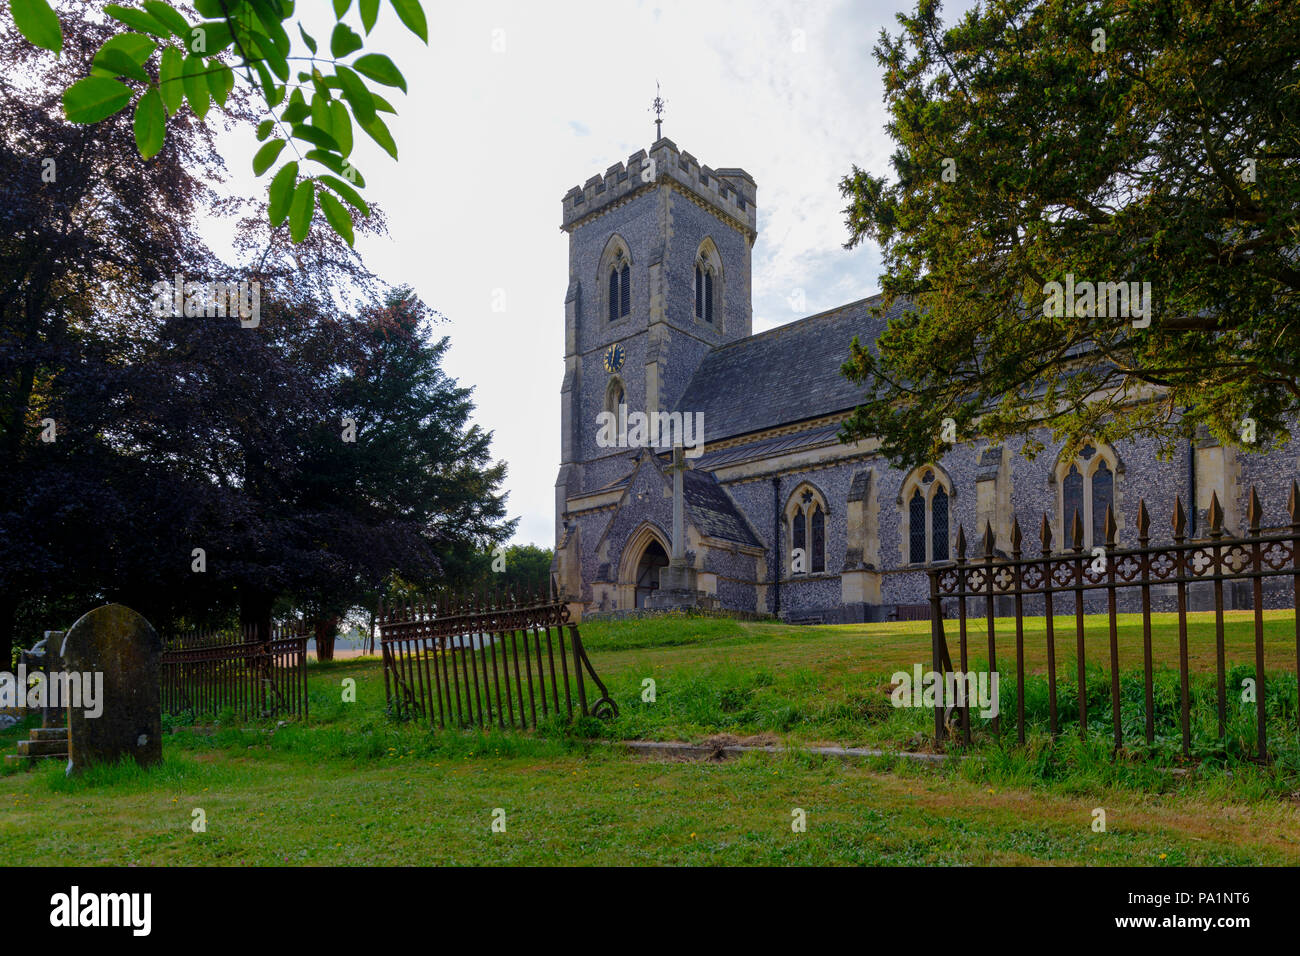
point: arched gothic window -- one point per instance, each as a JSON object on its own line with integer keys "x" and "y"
{"x": 806, "y": 518}
{"x": 620, "y": 288}
{"x": 615, "y": 395}
{"x": 1087, "y": 486}
{"x": 708, "y": 281}
{"x": 927, "y": 497}
{"x": 615, "y": 278}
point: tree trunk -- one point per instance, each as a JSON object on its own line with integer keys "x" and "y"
{"x": 325, "y": 631}
{"x": 255, "y": 612}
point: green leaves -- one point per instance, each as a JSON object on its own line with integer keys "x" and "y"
{"x": 363, "y": 104}
{"x": 343, "y": 41}
{"x": 378, "y": 131}
{"x": 136, "y": 19}
{"x": 196, "y": 85}
{"x": 38, "y": 24}
{"x": 301, "y": 209}
{"x": 411, "y": 14}
{"x": 150, "y": 124}
{"x": 337, "y": 216}
{"x": 125, "y": 55}
{"x": 369, "y": 14}
{"x": 93, "y": 99}
{"x": 169, "y": 17}
{"x": 191, "y": 69}
{"x": 266, "y": 156}
{"x": 221, "y": 80}
{"x": 170, "y": 74}
{"x": 281, "y": 192}
{"x": 380, "y": 69}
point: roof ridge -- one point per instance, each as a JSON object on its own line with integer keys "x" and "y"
{"x": 797, "y": 322}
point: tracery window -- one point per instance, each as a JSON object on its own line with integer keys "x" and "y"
{"x": 928, "y": 497}
{"x": 806, "y": 517}
{"x": 1087, "y": 487}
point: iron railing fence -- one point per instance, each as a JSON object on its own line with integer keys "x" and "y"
{"x": 477, "y": 660}
{"x": 206, "y": 672}
{"x": 1252, "y": 560}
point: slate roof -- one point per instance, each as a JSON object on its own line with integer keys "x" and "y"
{"x": 768, "y": 447}
{"x": 712, "y": 511}
{"x": 785, "y": 375}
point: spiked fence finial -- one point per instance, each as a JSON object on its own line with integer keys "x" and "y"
{"x": 988, "y": 539}
{"x": 1293, "y": 503}
{"x": 961, "y": 543}
{"x": 1255, "y": 512}
{"x": 1180, "y": 519}
{"x": 1144, "y": 522}
{"x": 1076, "y": 530}
{"x": 1015, "y": 535}
{"x": 1111, "y": 526}
{"x": 1216, "y": 515}
{"x": 1045, "y": 534}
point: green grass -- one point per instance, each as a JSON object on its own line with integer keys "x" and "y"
{"x": 354, "y": 787}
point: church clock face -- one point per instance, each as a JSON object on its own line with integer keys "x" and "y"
{"x": 614, "y": 356}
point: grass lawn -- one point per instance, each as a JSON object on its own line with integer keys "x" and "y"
{"x": 354, "y": 787}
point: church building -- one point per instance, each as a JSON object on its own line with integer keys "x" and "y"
{"x": 776, "y": 515}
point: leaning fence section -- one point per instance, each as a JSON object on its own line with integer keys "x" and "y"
{"x": 213, "y": 671}
{"x": 483, "y": 660}
{"x": 1059, "y": 581}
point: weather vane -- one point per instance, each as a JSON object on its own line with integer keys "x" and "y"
{"x": 658, "y": 107}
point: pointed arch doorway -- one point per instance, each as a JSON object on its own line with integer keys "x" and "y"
{"x": 653, "y": 557}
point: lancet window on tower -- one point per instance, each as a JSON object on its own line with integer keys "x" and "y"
{"x": 620, "y": 288}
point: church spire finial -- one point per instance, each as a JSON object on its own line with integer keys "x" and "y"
{"x": 658, "y": 107}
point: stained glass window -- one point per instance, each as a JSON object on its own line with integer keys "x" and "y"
{"x": 916, "y": 527}
{"x": 1103, "y": 495}
{"x": 939, "y": 525}
{"x": 818, "y": 540}
{"x": 1072, "y": 500}
{"x": 799, "y": 538}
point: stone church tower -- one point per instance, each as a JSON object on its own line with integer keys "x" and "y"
{"x": 659, "y": 275}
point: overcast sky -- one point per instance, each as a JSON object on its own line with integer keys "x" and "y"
{"x": 513, "y": 103}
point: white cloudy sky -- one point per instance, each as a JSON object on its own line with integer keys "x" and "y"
{"x": 491, "y": 139}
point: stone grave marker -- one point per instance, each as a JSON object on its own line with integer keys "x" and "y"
{"x": 119, "y": 643}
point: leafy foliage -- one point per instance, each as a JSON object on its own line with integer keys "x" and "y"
{"x": 165, "y": 61}
{"x": 1045, "y": 141}
{"x": 177, "y": 432}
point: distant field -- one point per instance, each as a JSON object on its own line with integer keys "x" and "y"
{"x": 354, "y": 787}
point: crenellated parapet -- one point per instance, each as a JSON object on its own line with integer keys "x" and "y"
{"x": 730, "y": 192}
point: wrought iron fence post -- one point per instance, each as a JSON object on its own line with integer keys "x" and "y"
{"x": 1020, "y": 630}
{"x": 1216, "y": 532}
{"x": 962, "y": 585}
{"x": 1254, "y": 514}
{"x": 1114, "y": 634}
{"x": 1180, "y": 532}
{"x": 936, "y": 665}
{"x": 1045, "y": 538}
{"x": 988, "y": 611}
{"x": 1143, "y": 528}
{"x": 1076, "y": 533}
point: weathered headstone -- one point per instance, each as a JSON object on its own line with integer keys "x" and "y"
{"x": 119, "y": 643}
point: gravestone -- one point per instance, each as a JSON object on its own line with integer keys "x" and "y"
{"x": 119, "y": 643}
{"x": 44, "y": 657}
